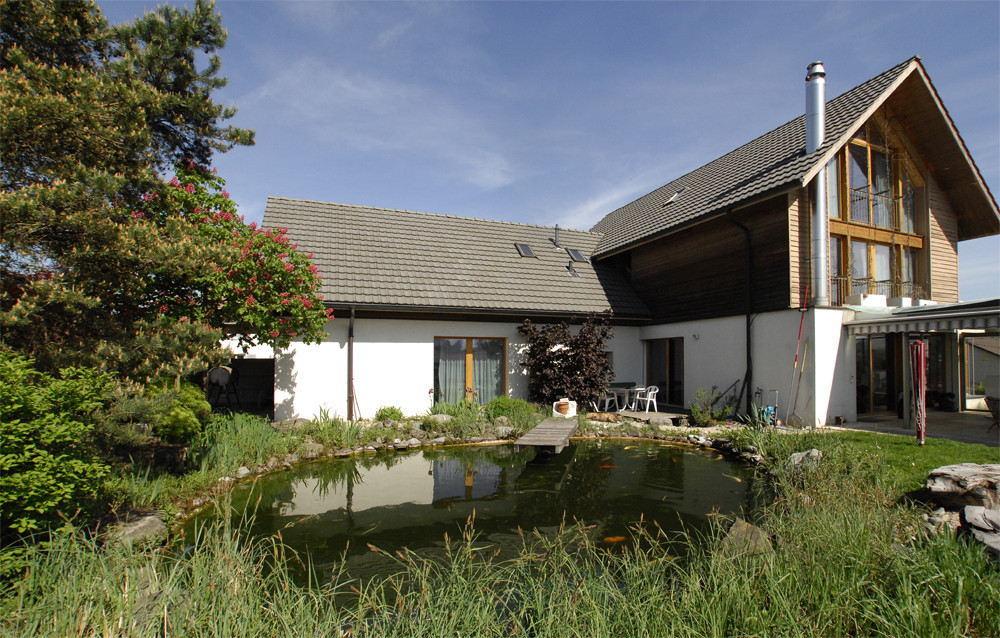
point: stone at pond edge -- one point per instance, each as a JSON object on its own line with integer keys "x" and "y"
{"x": 744, "y": 538}
{"x": 503, "y": 431}
{"x": 440, "y": 418}
{"x": 243, "y": 472}
{"x": 807, "y": 460}
{"x": 310, "y": 450}
{"x": 963, "y": 484}
{"x": 145, "y": 530}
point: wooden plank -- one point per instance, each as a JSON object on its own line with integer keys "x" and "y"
{"x": 551, "y": 433}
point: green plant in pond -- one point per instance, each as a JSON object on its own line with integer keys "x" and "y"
{"x": 234, "y": 440}
{"x": 705, "y": 408}
{"x": 389, "y": 413}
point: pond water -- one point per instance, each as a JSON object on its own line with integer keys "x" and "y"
{"x": 334, "y": 509}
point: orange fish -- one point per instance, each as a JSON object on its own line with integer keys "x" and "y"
{"x": 614, "y": 539}
{"x": 607, "y": 467}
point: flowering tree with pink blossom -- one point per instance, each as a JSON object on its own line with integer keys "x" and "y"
{"x": 255, "y": 285}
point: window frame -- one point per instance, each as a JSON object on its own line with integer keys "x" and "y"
{"x": 844, "y": 228}
{"x": 469, "y": 365}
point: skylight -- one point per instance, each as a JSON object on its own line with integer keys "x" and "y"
{"x": 673, "y": 198}
{"x": 525, "y": 250}
{"x": 576, "y": 254}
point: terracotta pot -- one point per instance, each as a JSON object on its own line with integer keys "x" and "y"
{"x": 562, "y": 407}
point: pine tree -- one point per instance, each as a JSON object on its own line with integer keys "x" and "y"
{"x": 103, "y": 263}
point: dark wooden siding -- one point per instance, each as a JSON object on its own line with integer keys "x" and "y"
{"x": 700, "y": 272}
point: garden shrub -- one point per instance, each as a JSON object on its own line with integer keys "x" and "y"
{"x": 48, "y": 461}
{"x": 519, "y": 413}
{"x": 562, "y": 364}
{"x": 389, "y": 413}
{"x": 184, "y": 418}
{"x": 705, "y": 409}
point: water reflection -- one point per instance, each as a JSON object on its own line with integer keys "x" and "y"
{"x": 335, "y": 509}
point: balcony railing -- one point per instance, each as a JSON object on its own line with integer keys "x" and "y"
{"x": 842, "y": 287}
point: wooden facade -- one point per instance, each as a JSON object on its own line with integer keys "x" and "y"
{"x": 700, "y": 272}
{"x": 942, "y": 256}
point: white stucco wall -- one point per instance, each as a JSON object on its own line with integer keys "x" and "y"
{"x": 818, "y": 389}
{"x": 394, "y": 365}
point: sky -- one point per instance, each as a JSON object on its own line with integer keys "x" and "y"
{"x": 560, "y": 112}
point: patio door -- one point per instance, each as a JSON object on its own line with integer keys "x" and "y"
{"x": 469, "y": 369}
{"x": 879, "y": 373}
{"x": 665, "y": 369}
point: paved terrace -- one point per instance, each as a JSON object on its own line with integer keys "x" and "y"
{"x": 967, "y": 427}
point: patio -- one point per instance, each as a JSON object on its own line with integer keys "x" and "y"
{"x": 967, "y": 427}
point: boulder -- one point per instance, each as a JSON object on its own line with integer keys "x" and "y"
{"x": 243, "y": 472}
{"x": 503, "y": 431}
{"x": 955, "y": 486}
{"x": 501, "y": 422}
{"x": 800, "y": 461}
{"x": 744, "y": 538}
{"x": 661, "y": 421}
{"x": 440, "y": 418}
{"x": 144, "y": 530}
{"x": 310, "y": 450}
{"x": 985, "y": 527}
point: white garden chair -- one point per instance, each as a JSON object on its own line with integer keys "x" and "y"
{"x": 647, "y": 395}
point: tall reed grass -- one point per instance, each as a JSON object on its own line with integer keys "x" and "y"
{"x": 847, "y": 561}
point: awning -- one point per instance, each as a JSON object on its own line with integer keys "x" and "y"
{"x": 978, "y": 315}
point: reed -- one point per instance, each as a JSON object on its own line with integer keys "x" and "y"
{"x": 847, "y": 560}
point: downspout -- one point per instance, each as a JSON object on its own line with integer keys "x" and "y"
{"x": 815, "y": 135}
{"x": 748, "y": 377}
{"x": 350, "y": 369}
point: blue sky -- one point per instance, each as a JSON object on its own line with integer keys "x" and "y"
{"x": 560, "y": 112}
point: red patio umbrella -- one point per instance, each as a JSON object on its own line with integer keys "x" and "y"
{"x": 918, "y": 375}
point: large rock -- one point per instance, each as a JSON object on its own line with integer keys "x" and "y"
{"x": 807, "y": 460}
{"x": 145, "y": 530}
{"x": 985, "y": 527}
{"x": 440, "y": 418}
{"x": 744, "y": 538}
{"x": 311, "y": 450}
{"x": 955, "y": 486}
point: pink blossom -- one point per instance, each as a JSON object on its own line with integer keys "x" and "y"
{"x": 174, "y": 182}
{"x": 313, "y": 269}
{"x": 284, "y": 302}
{"x": 289, "y": 267}
{"x": 284, "y": 294}
{"x": 293, "y": 246}
{"x": 274, "y": 333}
{"x": 137, "y": 215}
{"x": 225, "y": 193}
{"x": 163, "y": 307}
{"x": 250, "y": 300}
{"x": 189, "y": 188}
{"x": 329, "y": 312}
{"x": 253, "y": 225}
{"x": 147, "y": 197}
{"x": 307, "y": 303}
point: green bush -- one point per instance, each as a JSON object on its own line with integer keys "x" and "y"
{"x": 389, "y": 413}
{"x": 705, "y": 409}
{"x": 520, "y": 414}
{"x": 184, "y": 418}
{"x": 48, "y": 461}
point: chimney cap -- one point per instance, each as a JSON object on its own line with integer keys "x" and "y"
{"x": 815, "y": 69}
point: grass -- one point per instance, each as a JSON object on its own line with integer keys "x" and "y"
{"x": 848, "y": 561}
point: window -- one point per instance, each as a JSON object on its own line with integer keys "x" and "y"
{"x": 469, "y": 369}
{"x": 874, "y": 196}
{"x": 525, "y": 250}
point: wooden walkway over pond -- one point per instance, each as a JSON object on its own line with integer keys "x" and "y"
{"x": 551, "y": 434}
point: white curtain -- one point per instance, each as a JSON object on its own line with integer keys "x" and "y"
{"x": 487, "y": 369}
{"x": 449, "y": 367}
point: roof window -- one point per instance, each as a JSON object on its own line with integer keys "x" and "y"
{"x": 674, "y": 197}
{"x": 576, "y": 254}
{"x": 524, "y": 250}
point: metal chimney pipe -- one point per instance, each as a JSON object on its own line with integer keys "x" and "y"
{"x": 815, "y": 136}
{"x": 556, "y": 240}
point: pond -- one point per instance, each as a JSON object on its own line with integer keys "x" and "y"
{"x": 334, "y": 510}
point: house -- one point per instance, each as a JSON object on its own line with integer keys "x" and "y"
{"x": 792, "y": 271}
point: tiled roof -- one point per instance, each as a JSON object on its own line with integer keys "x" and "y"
{"x": 392, "y": 258}
{"x": 773, "y": 161}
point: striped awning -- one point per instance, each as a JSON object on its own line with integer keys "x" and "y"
{"x": 940, "y": 318}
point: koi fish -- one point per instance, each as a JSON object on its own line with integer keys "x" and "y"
{"x": 607, "y": 467}
{"x": 614, "y": 539}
